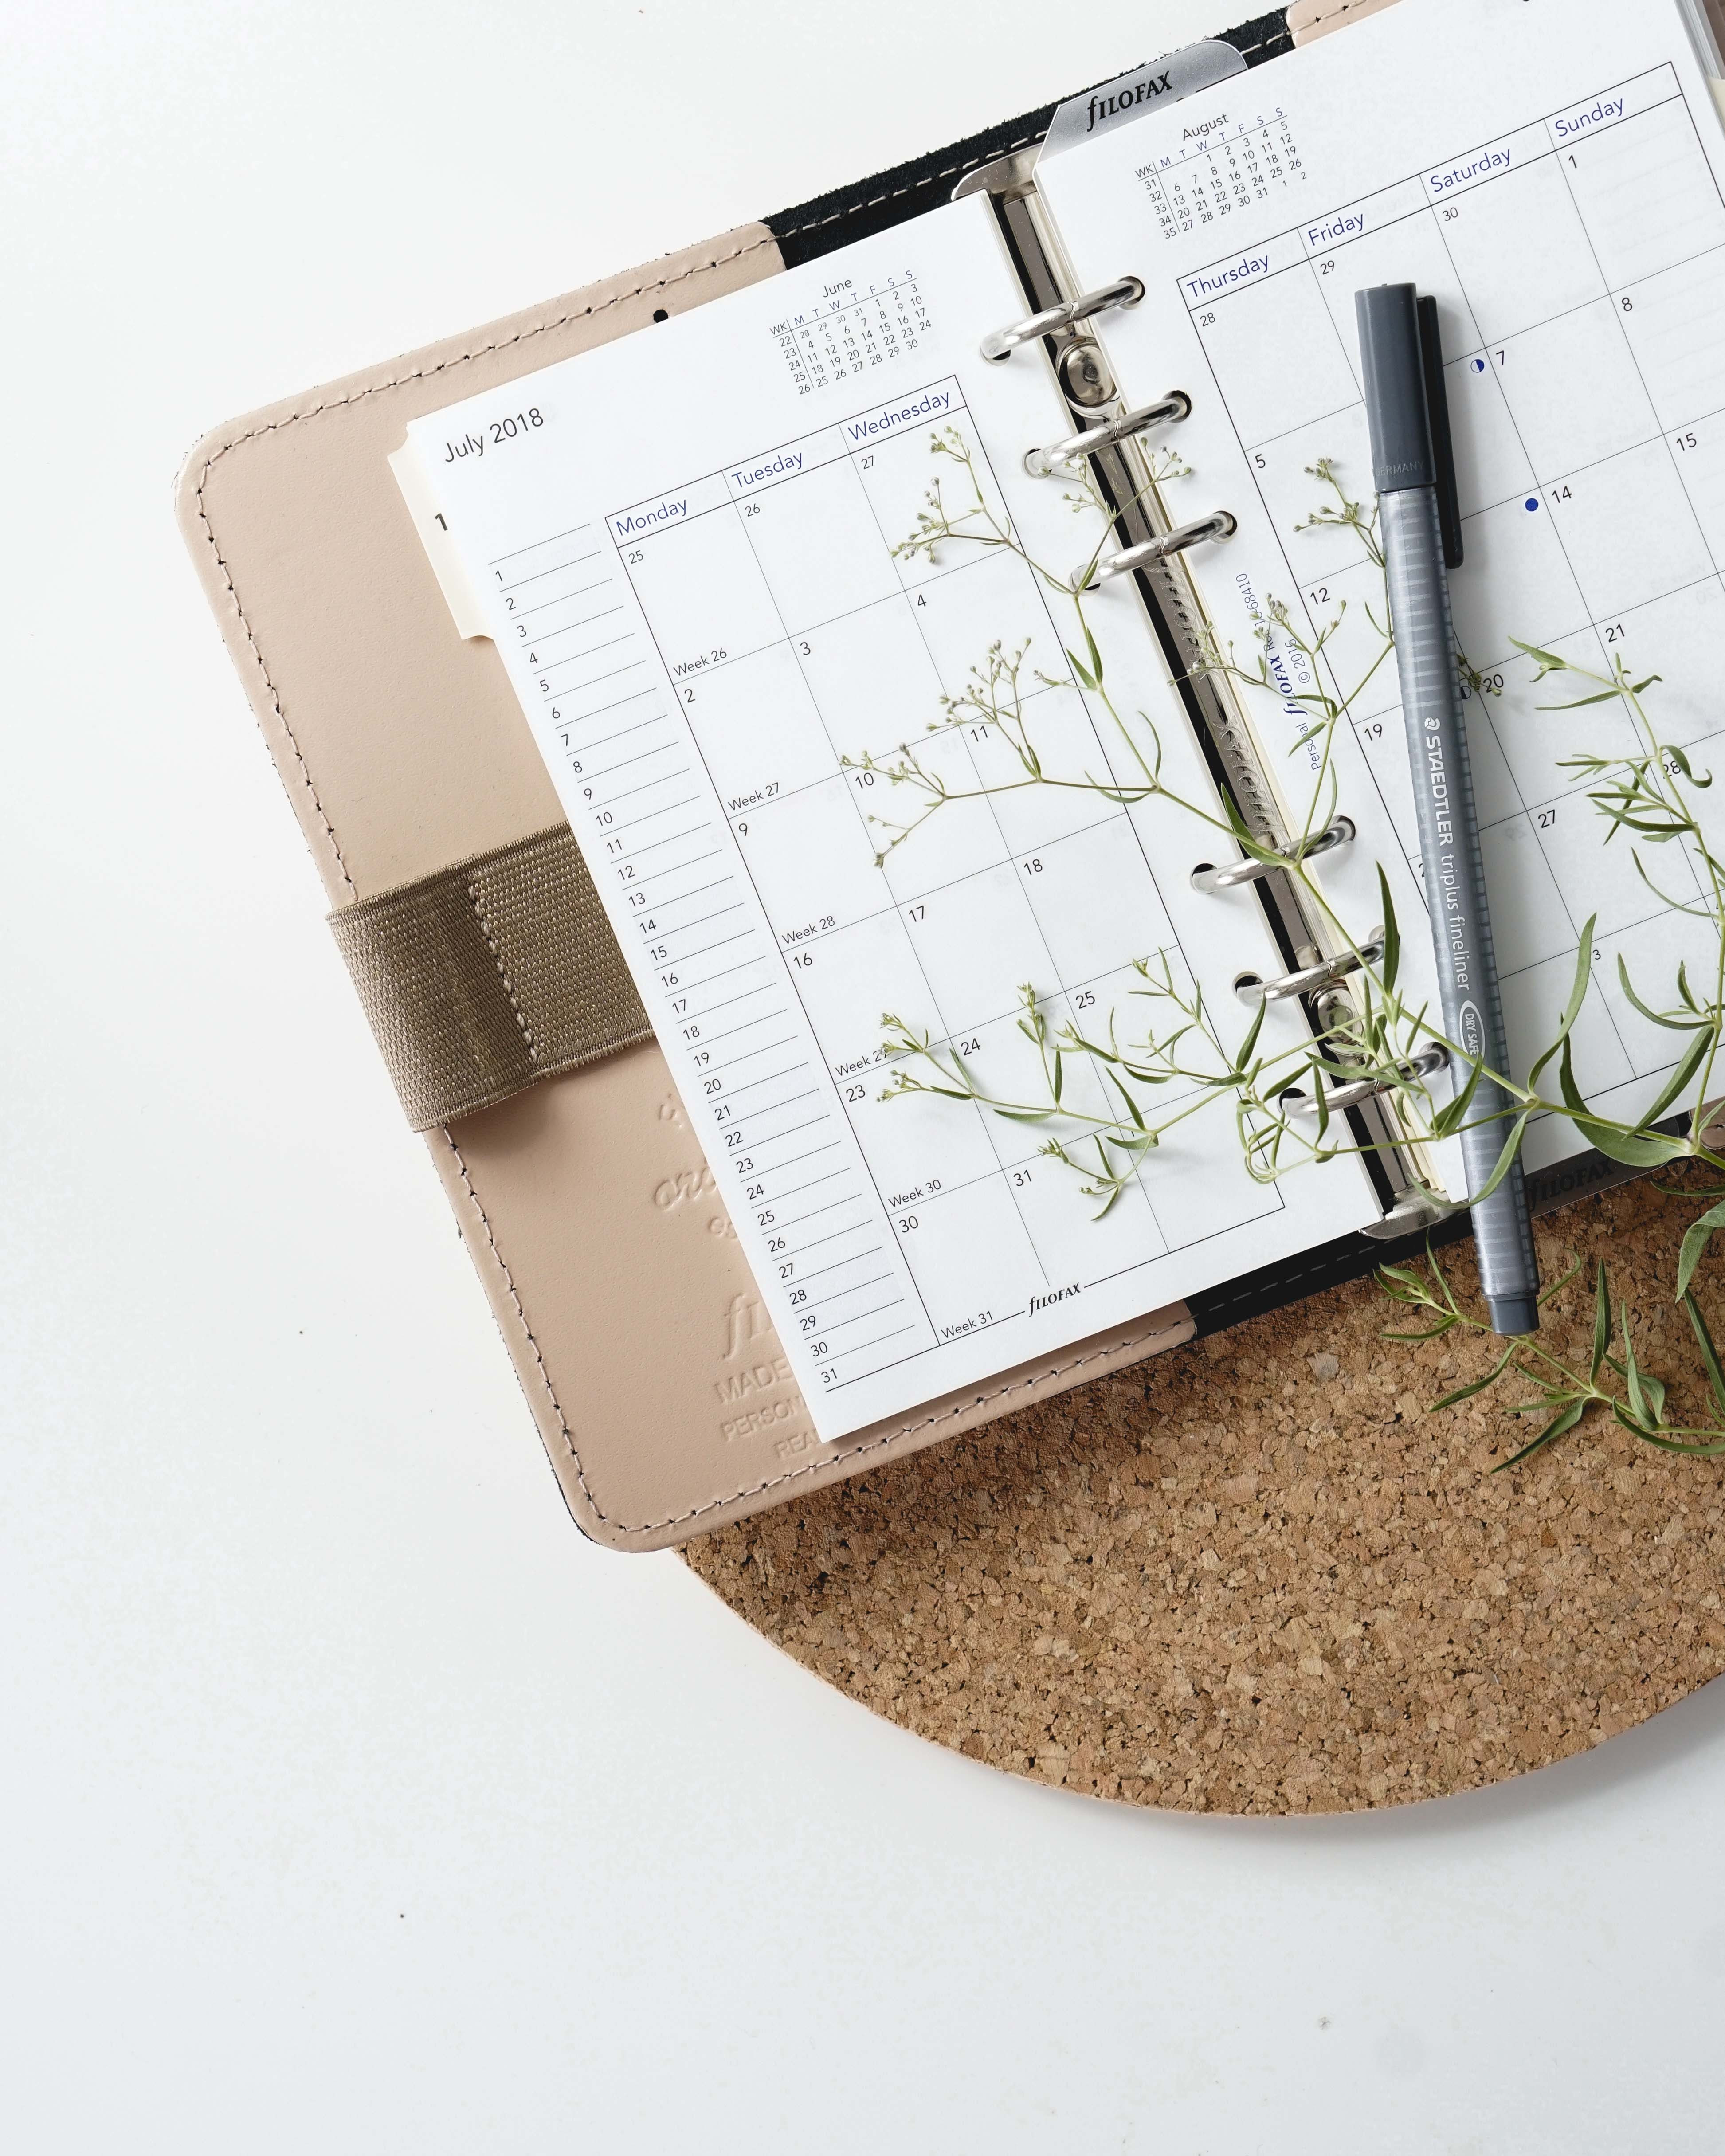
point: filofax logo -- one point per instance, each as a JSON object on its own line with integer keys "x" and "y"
{"x": 1141, "y": 92}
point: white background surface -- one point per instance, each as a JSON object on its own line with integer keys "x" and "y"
{"x": 348, "y": 1800}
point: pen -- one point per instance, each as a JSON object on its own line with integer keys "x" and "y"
{"x": 1420, "y": 526}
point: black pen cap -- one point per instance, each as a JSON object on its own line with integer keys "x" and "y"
{"x": 1393, "y": 364}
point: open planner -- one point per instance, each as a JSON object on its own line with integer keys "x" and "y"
{"x": 719, "y": 627}
{"x": 847, "y": 612}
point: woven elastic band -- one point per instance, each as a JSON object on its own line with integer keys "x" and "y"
{"x": 489, "y": 975}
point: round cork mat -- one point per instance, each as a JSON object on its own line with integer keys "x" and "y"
{"x": 1255, "y": 1576}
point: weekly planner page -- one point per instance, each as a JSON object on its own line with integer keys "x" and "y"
{"x": 690, "y": 547}
{"x": 1549, "y": 170}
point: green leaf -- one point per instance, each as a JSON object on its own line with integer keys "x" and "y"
{"x": 1681, "y": 1076}
{"x": 1506, "y": 1159}
{"x": 1709, "y": 1353}
{"x": 1443, "y": 1325}
{"x": 1549, "y": 663}
{"x": 1556, "y": 1287}
{"x": 1578, "y": 996}
{"x": 1251, "y": 1040}
{"x": 1602, "y": 1324}
{"x": 1632, "y": 1375}
{"x": 1684, "y": 765}
{"x": 1441, "y": 1278}
{"x": 1671, "y": 1024}
{"x": 1580, "y": 703}
{"x": 1695, "y": 1244}
{"x": 1668, "y": 1444}
{"x": 1566, "y": 1420}
{"x": 1392, "y": 935}
{"x": 1480, "y": 1385}
{"x": 1450, "y": 1119}
{"x": 1086, "y": 679}
{"x": 1397, "y": 1281}
{"x": 1131, "y": 1105}
{"x": 1095, "y": 656}
{"x": 1615, "y": 1145}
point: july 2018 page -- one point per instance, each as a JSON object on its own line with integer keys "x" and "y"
{"x": 1550, "y": 170}
{"x": 689, "y": 545}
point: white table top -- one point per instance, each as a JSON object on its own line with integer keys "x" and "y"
{"x": 351, "y": 1800}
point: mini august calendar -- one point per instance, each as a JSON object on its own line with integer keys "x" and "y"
{"x": 697, "y": 553}
{"x": 1221, "y": 168}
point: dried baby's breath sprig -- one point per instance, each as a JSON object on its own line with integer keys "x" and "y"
{"x": 1151, "y": 1069}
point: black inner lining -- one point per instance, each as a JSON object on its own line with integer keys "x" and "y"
{"x": 812, "y": 228}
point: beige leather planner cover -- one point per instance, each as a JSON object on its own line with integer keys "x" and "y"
{"x": 660, "y": 1392}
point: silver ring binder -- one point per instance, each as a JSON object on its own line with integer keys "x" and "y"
{"x": 1337, "y": 1098}
{"x": 1043, "y": 464}
{"x": 1310, "y": 980}
{"x": 1124, "y": 292}
{"x": 1171, "y": 604}
{"x": 1208, "y": 878}
{"x": 1220, "y": 525}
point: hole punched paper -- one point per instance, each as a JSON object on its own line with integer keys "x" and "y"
{"x": 686, "y": 547}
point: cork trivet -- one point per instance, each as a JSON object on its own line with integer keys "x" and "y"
{"x": 1254, "y": 1575}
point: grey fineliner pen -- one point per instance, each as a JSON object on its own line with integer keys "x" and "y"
{"x": 1409, "y": 469}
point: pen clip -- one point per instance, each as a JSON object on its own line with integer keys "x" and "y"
{"x": 1443, "y": 445}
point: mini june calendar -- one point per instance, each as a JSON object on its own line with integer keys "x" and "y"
{"x": 1574, "y": 238}
{"x": 853, "y": 327}
{"x": 694, "y": 552}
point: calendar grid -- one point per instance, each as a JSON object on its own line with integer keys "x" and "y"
{"x": 1229, "y": 169}
{"x": 881, "y": 597}
{"x": 861, "y": 814}
{"x": 1650, "y": 419}
{"x": 840, "y": 337}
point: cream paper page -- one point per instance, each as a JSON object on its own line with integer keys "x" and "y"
{"x": 686, "y": 546}
{"x": 1550, "y": 170}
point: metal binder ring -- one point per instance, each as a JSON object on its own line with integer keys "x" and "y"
{"x": 1207, "y": 878}
{"x": 1124, "y": 292}
{"x": 1310, "y": 980}
{"x": 1043, "y": 464}
{"x": 1221, "y": 525}
{"x": 1431, "y": 1057}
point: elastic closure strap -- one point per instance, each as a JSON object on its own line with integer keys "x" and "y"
{"x": 489, "y": 975}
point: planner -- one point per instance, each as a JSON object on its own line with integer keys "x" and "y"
{"x": 681, "y": 689}
{"x": 725, "y": 635}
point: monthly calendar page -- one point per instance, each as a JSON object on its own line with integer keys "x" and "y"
{"x": 687, "y": 543}
{"x": 1549, "y": 170}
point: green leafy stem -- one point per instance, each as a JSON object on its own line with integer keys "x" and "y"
{"x": 1170, "y": 1056}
